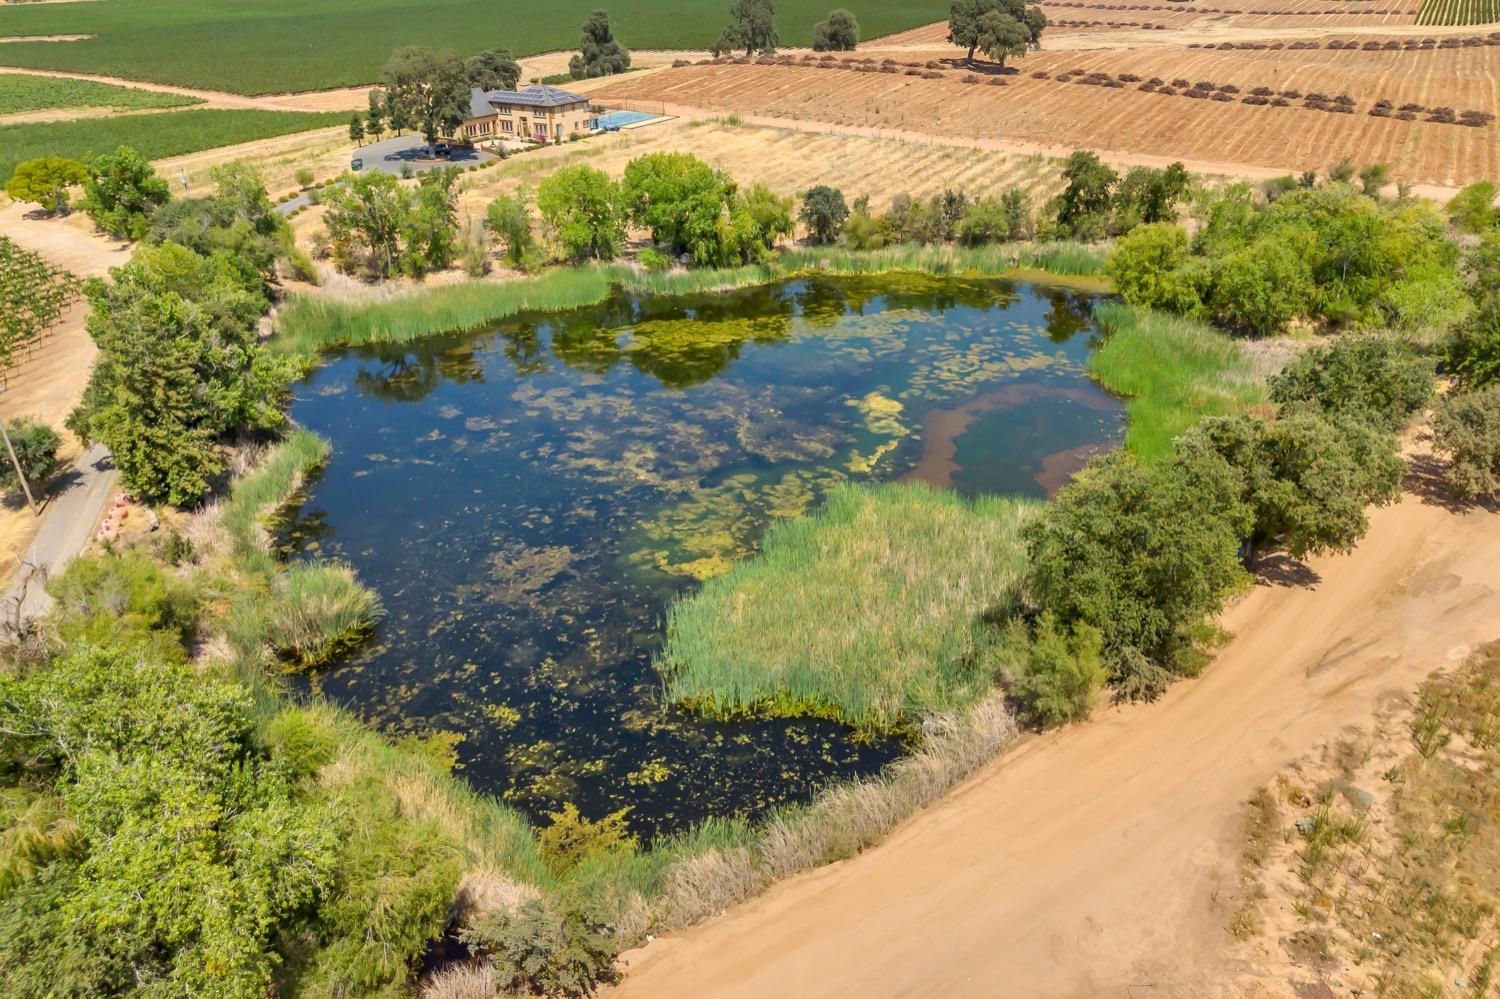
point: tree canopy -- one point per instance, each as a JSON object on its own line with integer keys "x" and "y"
{"x": 824, "y": 213}
{"x": 1368, "y": 375}
{"x": 584, "y": 212}
{"x": 121, "y": 192}
{"x": 598, "y": 52}
{"x": 995, "y": 27}
{"x": 428, "y": 89}
{"x": 493, "y": 69}
{"x": 840, "y": 33}
{"x": 45, "y": 181}
{"x": 752, "y": 27}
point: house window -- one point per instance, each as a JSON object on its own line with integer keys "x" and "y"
{"x": 505, "y": 126}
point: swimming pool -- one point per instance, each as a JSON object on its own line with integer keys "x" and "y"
{"x": 615, "y": 120}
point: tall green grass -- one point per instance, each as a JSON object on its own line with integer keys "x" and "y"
{"x": 310, "y": 323}
{"x": 868, "y": 610}
{"x": 261, "y": 493}
{"x": 1172, "y": 371}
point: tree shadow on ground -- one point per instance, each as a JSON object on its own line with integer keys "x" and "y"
{"x": 980, "y": 67}
{"x": 1280, "y": 569}
{"x": 1425, "y": 480}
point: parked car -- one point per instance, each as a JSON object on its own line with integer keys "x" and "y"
{"x": 356, "y": 164}
{"x": 442, "y": 149}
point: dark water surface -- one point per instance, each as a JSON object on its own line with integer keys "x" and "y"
{"x": 526, "y": 500}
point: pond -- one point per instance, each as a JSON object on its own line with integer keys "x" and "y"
{"x": 528, "y": 499}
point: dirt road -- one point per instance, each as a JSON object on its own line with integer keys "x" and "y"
{"x": 1100, "y": 861}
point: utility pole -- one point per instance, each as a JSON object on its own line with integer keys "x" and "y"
{"x": 20, "y": 474}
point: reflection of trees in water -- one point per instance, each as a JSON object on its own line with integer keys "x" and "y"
{"x": 413, "y": 373}
{"x": 1068, "y": 314}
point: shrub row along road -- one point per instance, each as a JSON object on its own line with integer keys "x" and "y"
{"x": 1101, "y": 860}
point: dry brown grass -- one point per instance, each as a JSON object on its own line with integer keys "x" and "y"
{"x": 786, "y": 161}
{"x": 325, "y": 151}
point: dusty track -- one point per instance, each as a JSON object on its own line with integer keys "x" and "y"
{"x": 1100, "y": 861}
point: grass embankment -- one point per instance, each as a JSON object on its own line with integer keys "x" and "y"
{"x": 170, "y": 133}
{"x": 1380, "y": 876}
{"x": 280, "y": 46}
{"x": 1173, "y": 372}
{"x": 22, "y": 92}
{"x": 310, "y": 323}
{"x": 299, "y": 616}
{"x": 868, "y": 610}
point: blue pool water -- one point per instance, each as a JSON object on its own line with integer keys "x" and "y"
{"x": 618, "y": 119}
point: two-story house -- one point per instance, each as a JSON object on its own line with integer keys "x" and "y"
{"x": 545, "y": 113}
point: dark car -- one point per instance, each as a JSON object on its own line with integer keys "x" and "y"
{"x": 442, "y": 149}
{"x": 356, "y": 164}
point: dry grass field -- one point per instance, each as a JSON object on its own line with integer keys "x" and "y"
{"x": 1213, "y": 132}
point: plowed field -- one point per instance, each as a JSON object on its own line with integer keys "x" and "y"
{"x": 1123, "y": 118}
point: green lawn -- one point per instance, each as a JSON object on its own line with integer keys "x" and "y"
{"x": 170, "y": 133}
{"x": 21, "y": 92}
{"x": 275, "y": 46}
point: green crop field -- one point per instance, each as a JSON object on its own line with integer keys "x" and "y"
{"x": 170, "y": 133}
{"x": 22, "y": 92}
{"x": 1458, "y": 12}
{"x": 276, "y": 46}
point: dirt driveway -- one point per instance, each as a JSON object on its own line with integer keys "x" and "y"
{"x": 1100, "y": 861}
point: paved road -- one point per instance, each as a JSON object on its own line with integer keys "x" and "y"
{"x": 68, "y": 522}
{"x": 390, "y": 155}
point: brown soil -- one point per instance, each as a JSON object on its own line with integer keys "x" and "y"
{"x": 1125, "y": 123}
{"x": 1092, "y": 861}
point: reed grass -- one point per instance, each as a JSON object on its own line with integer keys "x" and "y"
{"x": 867, "y": 610}
{"x": 321, "y": 611}
{"x": 308, "y": 324}
{"x": 1173, "y": 372}
{"x": 270, "y": 486}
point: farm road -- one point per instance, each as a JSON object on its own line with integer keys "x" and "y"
{"x": 1102, "y": 860}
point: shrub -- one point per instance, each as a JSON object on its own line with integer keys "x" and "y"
{"x": 570, "y": 838}
{"x": 1473, "y": 349}
{"x": 1365, "y": 375}
{"x": 1473, "y": 208}
{"x": 1059, "y": 673}
{"x": 986, "y": 221}
{"x": 122, "y": 191}
{"x": 35, "y": 445}
{"x": 122, "y": 599}
{"x": 536, "y": 950}
{"x": 653, "y": 259}
{"x": 1466, "y": 428}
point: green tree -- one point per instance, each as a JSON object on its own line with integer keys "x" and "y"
{"x": 971, "y": 27}
{"x": 356, "y": 129}
{"x": 1151, "y": 268}
{"x": 45, "y": 181}
{"x": 584, "y": 212}
{"x": 429, "y": 89}
{"x": 682, "y": 200}
{"x": 1341, "y": 172}
{"x": 1082, "y": 209}
{"x": 1466, "y": 428}
{"x": 380, "y": 228}
{"x": 1020, "y": 222}
{"x": 1000, "y": 35}
{"x": 1473, "y": 208}
{"x": 1147, "y": 195}
{"x": 985, "y": 221}
{"x": 824, "y": 213}
{"x": 375, "y": 116}
{"x": 122, "y": 191}
{"x": 179, "y": 366}
{"x": 1262, "y": 287}
{"x": 752, "y": 27}
{"x": 1365, "y": 375}
{"x": 862, "y": 230}
{"x": 1143, "y": 555}
{"x": 598, "y": 52}
{"x": 494, "y": 69}
{"x": 840, "y": 33}
{"x": 35, "y": 445}
{"x": 1308, "y": 477}
{"x": 758, "y": 218}
{"x": 510, "y": 221}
